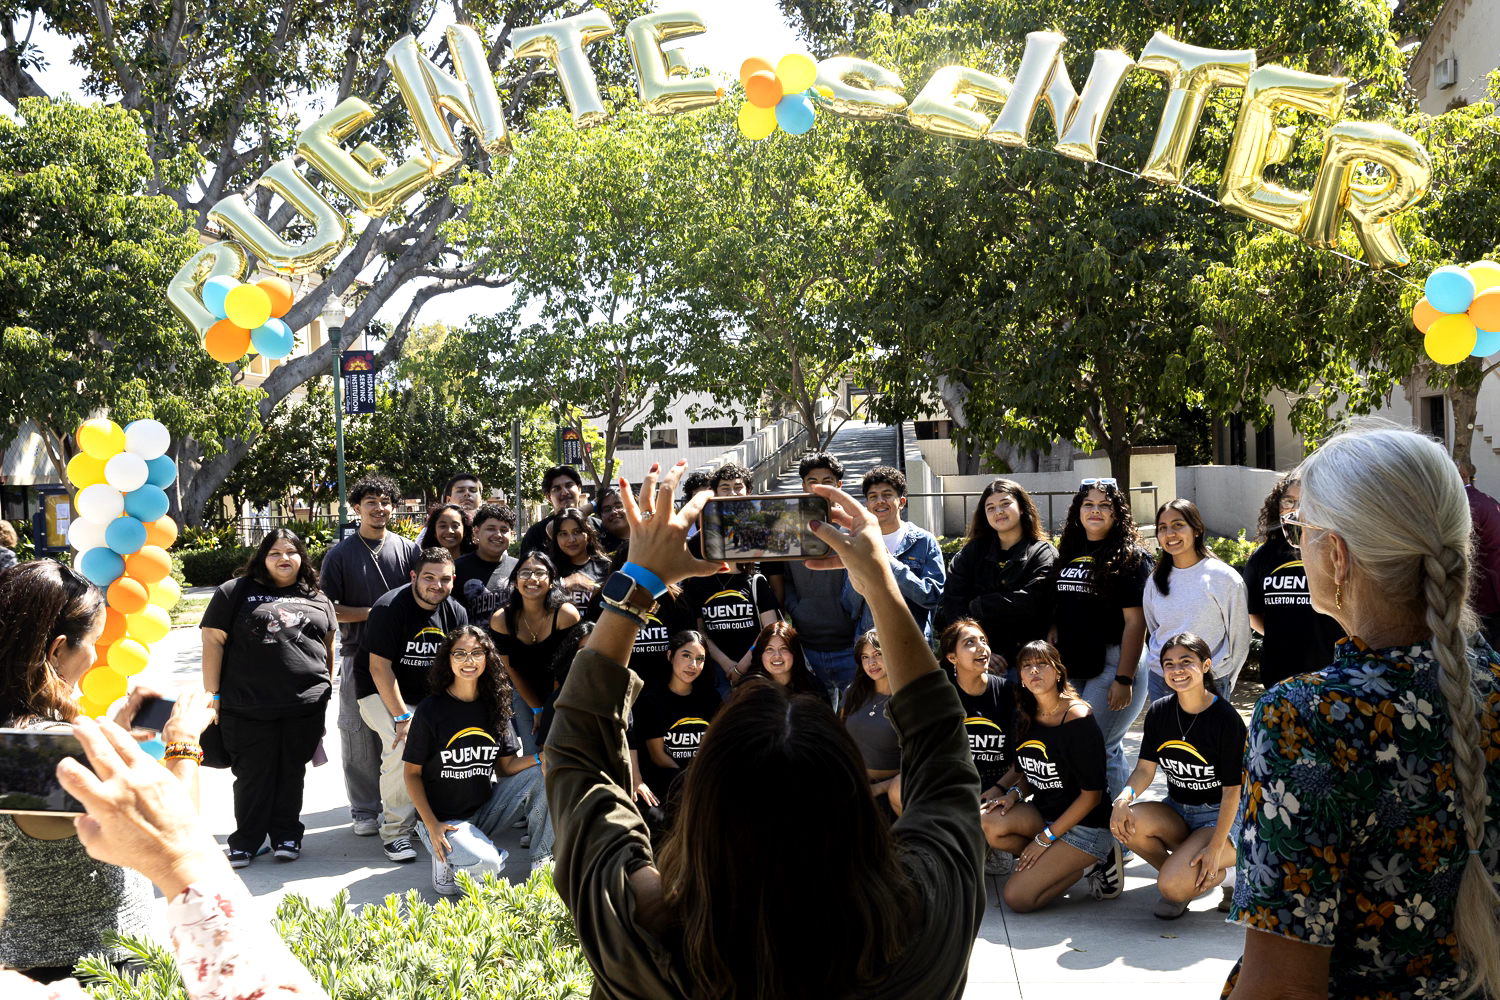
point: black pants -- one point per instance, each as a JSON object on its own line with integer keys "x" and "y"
{"x": 269, "y": 758}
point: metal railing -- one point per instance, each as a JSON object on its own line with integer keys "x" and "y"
{"x": 250, "y": 530}
{"x": 1056, "y": 513}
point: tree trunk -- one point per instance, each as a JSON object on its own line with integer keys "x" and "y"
{"x": 1465, "y": 409}
{"x": 1119, "y": 463}
{"x": 953, "y": 393}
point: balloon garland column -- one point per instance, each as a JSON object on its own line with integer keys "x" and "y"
{"x": 122, "y": 533}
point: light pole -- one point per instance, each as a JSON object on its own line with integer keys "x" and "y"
{"x": 333, "y": 323}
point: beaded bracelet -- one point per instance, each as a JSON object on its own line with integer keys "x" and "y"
{"x": 183, "y": 751}
{"x": 1040, "y": 842}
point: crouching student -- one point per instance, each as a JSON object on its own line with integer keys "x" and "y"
{"x": 1198, "y": 739}
{"x": 460, "y": 742}
{"x": 1063, "y": 831}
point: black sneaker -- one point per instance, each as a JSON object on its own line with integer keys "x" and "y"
{"x": 286, "y": 850}
{"x": 401, "y": 850}
{"x": 1106, "y": 879}
{"x": 240, "y": 859}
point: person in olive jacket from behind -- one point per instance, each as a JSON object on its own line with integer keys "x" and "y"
{"x": 999, "y": 577}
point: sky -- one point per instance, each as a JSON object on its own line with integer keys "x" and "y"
{"x": 737, "y": 29}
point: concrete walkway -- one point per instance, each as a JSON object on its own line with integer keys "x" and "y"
{"x": 860, "y": 446}
{"x": 1070, "y": 951}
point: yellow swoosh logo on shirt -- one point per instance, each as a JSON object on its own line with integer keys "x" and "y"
{"x": 471, "y": 731}
{"x": 729, "y": 593}
{"x": 690, "y": 722}
{"x": 979, "y": 720}
{"x": 434, "y": 630}
{"x": 1035, "y": 743}
{"x": 1182, "y": 745}
{"x": 1294, "y": 564}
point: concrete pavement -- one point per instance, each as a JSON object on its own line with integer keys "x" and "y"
{"x": 1069, "y": 951}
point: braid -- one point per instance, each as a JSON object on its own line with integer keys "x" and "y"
{"x": 1444, "y": 590}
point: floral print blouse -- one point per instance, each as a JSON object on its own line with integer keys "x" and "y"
{"x": 1353, "y": 827}
{"x": 222, "y": 952}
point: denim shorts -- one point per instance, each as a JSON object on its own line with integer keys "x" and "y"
{"x": 1090, "y": 840}
{"x": 1198, "y": 817}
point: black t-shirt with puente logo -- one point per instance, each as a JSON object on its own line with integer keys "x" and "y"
{"x": 1061, "y": 761}
{"x": 459, "y": 748}
{"x": 649, "y": 656}
{"x": 1298, "y": 640}
{"x": 679, "y": 721}
{"x": 989, "y": 718}
{"x": 1200, "y": 754}
{"x": 731, "y": 620}
{"x": 1090, "y": 612}
{"x": 408, "y": 635}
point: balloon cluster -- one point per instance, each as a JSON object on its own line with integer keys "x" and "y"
{"x": 779, "y": 95}
{"x": 1460, "y": 312}
{"x": 249, "y": 314}
{"x": 122, "y": 533}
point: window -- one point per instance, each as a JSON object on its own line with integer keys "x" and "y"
{"x": 627, "y": 441}
{"x": 933, "y": 430}
{"x": 1236, "y": 440}
{"x": 1265, "y": 448}
{"x": 1435, "y": 416}
{"x": 664, "y": 439}
{"x": 715, "y": 437}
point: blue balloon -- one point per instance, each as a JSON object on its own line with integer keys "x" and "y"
{"x": 274, "y": 340}
{"x": 214, "y": 291}
{"x": 101, "y": 567}
{"x": 161, "y": 472}
{"x": 125, "y": 535}
{"x": 1487, "y": 344}
{"x": 794, "y": 113}
{"x": 149, "y": 503}
{"x": 1450, "y": 289}
{"x": 154, "y": 746}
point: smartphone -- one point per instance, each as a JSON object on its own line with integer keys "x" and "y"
{"x": 153, "y": 714}
{"x": 28, "y": 772}
{"x": 763, "y": 528}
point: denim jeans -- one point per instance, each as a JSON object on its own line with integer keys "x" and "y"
{"x": 523, "y": 718}
{"x": 1114, "y": 725}
{"x": 835, "y": 669}
{"x": 359, "y": 750}
{"x": 514, "y": 797}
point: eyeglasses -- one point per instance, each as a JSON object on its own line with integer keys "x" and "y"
{"x": 532, "y": 574}
{"x": 467, "y": 655}
{"x": 1292, "y": 526}
{"x": 1101, "y": 483}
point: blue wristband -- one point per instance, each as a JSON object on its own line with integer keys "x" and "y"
{"x": 536, "y": 711}
{"x": 538, "y": 756}
{"x": 1047, "y": 832}
{"x": 645, "y": 578}
{"x": 401, "y": 718}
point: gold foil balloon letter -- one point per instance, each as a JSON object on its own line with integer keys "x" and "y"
{"x": 1192, "y": 73}
{"x": 1257, "y": 143}
{"x": 1370, "y": 206}
{"x": 861, "y": 90}
{"x": 561, "y": 43}
{"x": 661, "y": 94}
{"x": 1043, "y": 77}
{"x": 329, "y": 228}
{"x": 352, "y": 173}
{"x": 948, "y": 105}
{"x": 429, "y": 90}
{"x": 185, "y": 291}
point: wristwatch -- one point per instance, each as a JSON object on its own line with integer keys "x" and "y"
{"x": 1122, "y": 679}
{"x": 624, "y": 594}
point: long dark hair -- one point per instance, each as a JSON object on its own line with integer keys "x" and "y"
{"x": 1189, "y": 511}
{"x": 592, "y": 546}
{"x": 40, "y": 601}
{"x": 765, "y": 914}
{"x": 802, "y": 680}
{"x": 428, "y": 537}
{"x": 1025, "y": 700}
{"x": 948, "y": 643}
{"x": 1268, "y": 523}
{"x": 862, "y": 688}
{"x": 1199, "y": 648}
{"x": 552, "y": 601}
{"x": 494, "y": 683}
{"x": 255, "y": 567}
{"x": 1122, "y": 550}
{"x": 1031, "y": 521}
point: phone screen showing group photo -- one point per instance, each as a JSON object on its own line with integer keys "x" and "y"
{"x": 745, "y": 529}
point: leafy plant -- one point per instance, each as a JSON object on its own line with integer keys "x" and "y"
{"x": 25, "y": 549}
{"x": 1234, "y": 551}
{"x": 211, "y": 567}
{"x": 493, "y": 940}
{"x": 222, "y": 537}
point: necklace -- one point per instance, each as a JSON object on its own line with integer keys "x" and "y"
{"x": 1177, "y": 705}
{"x": 375, "y": 550}
{"x": 530, "y": 630}
{"x": 876, "y": 704}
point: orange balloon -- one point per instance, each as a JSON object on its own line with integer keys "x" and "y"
{"x": 226, "y": 342}
{"x": 763, "y": 89}
{"x": 149, "y": 565}
{"x": 161, "y": 533}
{"x": 1424, "y": 314}
{"x": 114, "y": 627}
{"x": 101, "y": 652}
{"x": 126, "y": 596}
{"x": 1485, "y": 310}
{"x": 280, "y": 292}
{"x": 755, "y": 64}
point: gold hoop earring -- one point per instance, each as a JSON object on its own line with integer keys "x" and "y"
{"x": 1338, "y": 596}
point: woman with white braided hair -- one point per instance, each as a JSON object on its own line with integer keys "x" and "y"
{"x": 1371, "y": 804}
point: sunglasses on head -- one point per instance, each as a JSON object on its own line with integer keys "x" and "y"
{"x": 1101, "y": 483}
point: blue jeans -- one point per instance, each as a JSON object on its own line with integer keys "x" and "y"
{"x": 835, "y": 669}
{"x": 1158, "y": 687}
{"x": 513, "y": 797}
{"x": 1114, "y": 725}
{"x": 523, "y": 718}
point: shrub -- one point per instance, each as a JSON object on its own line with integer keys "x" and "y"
{"x": 493, "y": 940}
{"x": 312, "y": 532}
{"x": 211, "y": 567}
{"x": 222, "y": 537}
{"x": 1234, "y": 551}
{"x": 25, "y": 550}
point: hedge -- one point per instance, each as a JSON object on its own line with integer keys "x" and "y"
{"x": 211, "y": 567}
{"x": 493, "y": 940}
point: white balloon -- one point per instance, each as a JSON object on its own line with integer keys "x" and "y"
{"x": 147, "y": 438}
{"x": 100, "y": 502}
{"x": 84, "y": 534}
{"x": 126, "y": 472}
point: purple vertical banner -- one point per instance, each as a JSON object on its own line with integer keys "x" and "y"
{"x": 359, "y": 381}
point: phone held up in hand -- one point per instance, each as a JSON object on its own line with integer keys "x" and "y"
{"x": 28, "y": 772}
{"x": 153, "y": 714}
{"x": 763, "y": 528}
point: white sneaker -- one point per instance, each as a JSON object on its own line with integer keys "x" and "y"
{"x": 998, "y": 862}
{"x": 442, "y": 878}
{"x": 366, "y": 827}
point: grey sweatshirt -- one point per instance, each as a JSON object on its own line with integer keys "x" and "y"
{"x": 812, "y": 602}
{"x": 1207, "y": 599}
